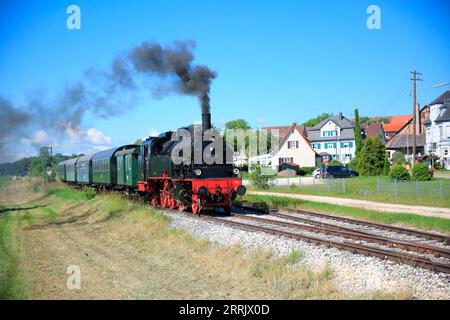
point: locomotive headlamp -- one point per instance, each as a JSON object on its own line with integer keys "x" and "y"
{"x": 236, "y": 171}
{"x": 197, "y": 172}
{"x": 241, "y": 190}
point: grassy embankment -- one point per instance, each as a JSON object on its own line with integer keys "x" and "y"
{"x": 365, "y": 188}
{"x": 161, "y": 262}
{"x": 405, "y": 219}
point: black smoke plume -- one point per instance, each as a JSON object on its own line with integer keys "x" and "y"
{"x": 107, "y": 93}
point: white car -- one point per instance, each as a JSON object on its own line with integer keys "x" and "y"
{"x": 316, "y": 173}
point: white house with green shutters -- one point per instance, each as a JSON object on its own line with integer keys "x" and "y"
{"x": 334, "y": 139}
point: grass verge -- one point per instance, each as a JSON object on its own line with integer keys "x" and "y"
{"x": 406, "y": 219}
{"x": 12, "y": 285}
{"x": 427, "y": 193}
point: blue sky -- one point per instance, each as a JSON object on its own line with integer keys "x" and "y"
{"x": 277, "y": 61}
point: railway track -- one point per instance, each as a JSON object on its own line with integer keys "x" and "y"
{"x": 411, "y": 259}
{"x": 334, "y": 230}
{"x": 275, "y": 212}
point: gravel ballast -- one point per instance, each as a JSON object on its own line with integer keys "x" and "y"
{"x": 354, "y": 274}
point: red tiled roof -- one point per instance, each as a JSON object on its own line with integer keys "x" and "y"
{"x": 395, "y": 122}
{"x": 373, "y": 129}
{"x": 283, "y": 130}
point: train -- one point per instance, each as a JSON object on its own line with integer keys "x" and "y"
{"x": 149, "y": 171}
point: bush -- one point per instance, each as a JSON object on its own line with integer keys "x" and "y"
{"x": 398, "y": 158}
{"x": 353, "y": 165}
{"x": 399, "y": 172}
{"x": 89, "y": 193}
{"x": 258, "y": 179}
{"x": 306, "y": 171}
{"x": 335, "y": 163}
{"x": 420, "y": 172}
{"x": 437, "y": 165}
{"x": 371, "y": 158}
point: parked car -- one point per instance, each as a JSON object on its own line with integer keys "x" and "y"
{"x": 331, "y": 172}
{"x": 316, "y": 173}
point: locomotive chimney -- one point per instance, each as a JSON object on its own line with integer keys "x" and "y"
{"x": 206, "y": 121}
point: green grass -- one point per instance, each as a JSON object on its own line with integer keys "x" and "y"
{"x": 65, "y": 193}
{"x": 4, "y": 180}
{"x": 12, "y": 286}
{"x": 365, "y": 188}
{"x": 406, "y": 219}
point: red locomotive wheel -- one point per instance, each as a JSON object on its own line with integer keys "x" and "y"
{"x": 172, "y": 203}
{"x": 196, "y": 207}
{"x": 163, "y": 200}
{"x": 154, "y": 201}
{"x": 181, "y": 206}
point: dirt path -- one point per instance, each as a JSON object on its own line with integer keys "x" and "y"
{"x": 364, "y": 204}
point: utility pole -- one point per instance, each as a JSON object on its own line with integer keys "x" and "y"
{"x": 414, "y": 79}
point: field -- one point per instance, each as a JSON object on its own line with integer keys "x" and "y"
{"x": 125, "y": 250}
{"x": 426, "y": 193}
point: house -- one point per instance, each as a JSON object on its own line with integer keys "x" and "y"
{"x": 438, "y": 129}
{"x": 392, "y": 124}
{"x": 295, "y": 148}
{"x": 403, "y": 140}
{"x": 334, "y": 139}
{"x": 373, "y": 130}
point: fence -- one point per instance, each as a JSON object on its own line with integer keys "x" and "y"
{"x": 366, "y": 187}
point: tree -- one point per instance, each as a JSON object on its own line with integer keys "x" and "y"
{"x": 312, "y": 122}
{"x": 138, "y": 142}
{"x": 358, "y": 140}
{"x": 258, "y": 179}
{"x": 398, "y": 158}
{"x": 372, "y": 157}
{"x": 237, "y": 124}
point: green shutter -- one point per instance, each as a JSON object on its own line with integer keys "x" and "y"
{"x": 318, "y": 146}
{"x": 351, "y": 144}
{"x": 326, "y": 145}
{"x": 334, "y": 144}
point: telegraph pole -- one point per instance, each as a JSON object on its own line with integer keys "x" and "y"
{"x": 414, "y": 79}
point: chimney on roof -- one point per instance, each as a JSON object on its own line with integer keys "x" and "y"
{"x": 341, "y": 116}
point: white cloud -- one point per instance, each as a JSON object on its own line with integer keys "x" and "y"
{"x": 39, "y": 137}
{"x": 261, "y": 120}
{"x": 97, "y": 137}
{"x": 101, "y": 148}
{"x": 154, "y": 132}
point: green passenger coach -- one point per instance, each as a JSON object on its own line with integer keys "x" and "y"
{"x": 104, "y": 165}
{"x": 84, "y": 170}
{"x": 62, "y": 171}
{"x": 71, "y": 170}
{"x": 127, "y": 167}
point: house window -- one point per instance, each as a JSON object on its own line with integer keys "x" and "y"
{"x": 292, "y": 144}
{"x": 447, "y": 129}
{"x": 315, "y": 145}
{"x": 330, "y": 145}
{"x": 441, "y": 131}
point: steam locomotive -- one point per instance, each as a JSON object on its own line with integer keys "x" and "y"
{"x": 150, "y": 171}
